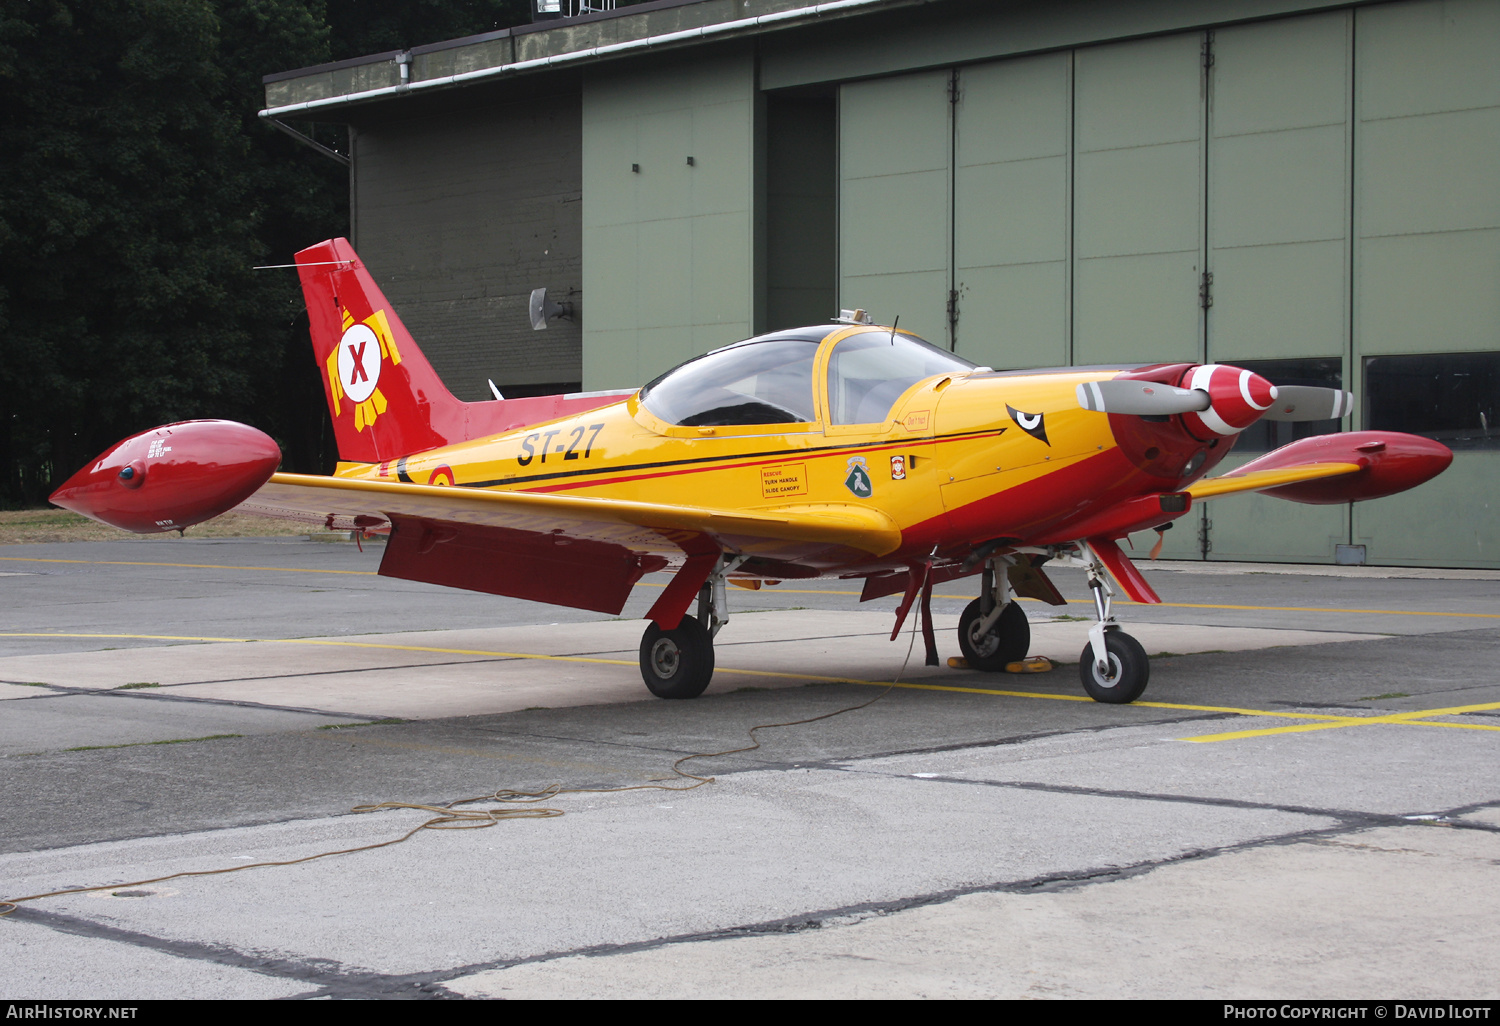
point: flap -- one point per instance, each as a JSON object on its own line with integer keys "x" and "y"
{"x": 346, "y": 503}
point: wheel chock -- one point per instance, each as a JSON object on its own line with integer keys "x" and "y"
{"x": 1032, "y": 664}
{"x": 957, "y": 663}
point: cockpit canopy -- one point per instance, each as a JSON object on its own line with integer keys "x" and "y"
{"x": 769, "y": 379}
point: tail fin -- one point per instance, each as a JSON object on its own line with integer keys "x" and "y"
{"x": 385, "y": 398}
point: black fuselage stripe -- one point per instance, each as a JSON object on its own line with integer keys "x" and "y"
{"x": 735, "y": 457}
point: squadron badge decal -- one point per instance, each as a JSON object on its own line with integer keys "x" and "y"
{"x": 354, "y": 367}
{"x": 858, "y": 481}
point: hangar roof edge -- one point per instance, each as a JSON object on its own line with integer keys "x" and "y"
{"x": 498, "y": 54}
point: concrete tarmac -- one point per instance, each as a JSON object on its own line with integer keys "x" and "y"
{"x": 1305, "y": 802}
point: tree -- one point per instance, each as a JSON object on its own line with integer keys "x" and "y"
{"x": 140, "y": 188}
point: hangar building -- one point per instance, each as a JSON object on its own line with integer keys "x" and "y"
{"x": 1311, "y": 189}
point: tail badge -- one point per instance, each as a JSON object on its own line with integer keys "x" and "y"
{"x": 354, "y": 367}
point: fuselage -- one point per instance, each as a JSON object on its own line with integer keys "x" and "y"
{"x": 959, "y": 460}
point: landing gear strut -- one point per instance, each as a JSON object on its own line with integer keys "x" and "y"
{"x": 992, "y": 630}
{"x": 679, "y": 663}
{"x": 1113, "y": 665}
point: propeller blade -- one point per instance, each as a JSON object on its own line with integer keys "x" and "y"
{"x": 1308, "y": 402}
{"x": 1141, "y": 398}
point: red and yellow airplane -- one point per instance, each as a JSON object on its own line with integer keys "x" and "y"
{"x": 845, "y": 450}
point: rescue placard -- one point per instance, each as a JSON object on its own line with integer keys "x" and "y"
{"x": 783, "y": 479}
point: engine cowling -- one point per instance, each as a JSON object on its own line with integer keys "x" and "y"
{"x": 173, "y": 476}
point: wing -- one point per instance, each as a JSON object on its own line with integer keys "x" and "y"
{"x": 567, "y": 550}
{"x": 1257, "y": 480}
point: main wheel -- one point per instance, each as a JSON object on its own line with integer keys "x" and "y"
{"x": 1129, "y": 670}
{"x": 677, "y": 663}
{"x": 1005, "y": 642}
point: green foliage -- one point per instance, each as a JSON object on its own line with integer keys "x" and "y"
{"x": 140, "y": 188}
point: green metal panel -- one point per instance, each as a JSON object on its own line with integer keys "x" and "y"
{"x": 1278, "y": 230}
{"x": 1138, "y": 201}
{"x": 1422, "y": 58}
{"x": 1427, "y": 244}
{"x": 1011, "y": 216}
{"x": 1429, "y": 293}
{"x": 1255, "y": 528}
{"x": 938, "y": 34}
{"x": 1452, "y": 520}
{"x": 668, "y": 246}
{"x": 895, "y": 191}
{"x": 1427, "y": 201}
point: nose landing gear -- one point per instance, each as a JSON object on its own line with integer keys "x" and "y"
{"x": 1113, "y": 665}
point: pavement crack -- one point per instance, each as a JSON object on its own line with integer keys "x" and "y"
{"x": 330, "y": 978}
{"x": 848, "y": 915}
{"x": 1356, "y": 817}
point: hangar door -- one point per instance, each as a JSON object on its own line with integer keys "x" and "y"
{"x": 1317, "y": 198}
{"x": 895, "y": 201}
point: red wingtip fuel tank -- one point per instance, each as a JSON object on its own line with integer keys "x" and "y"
{"x": 1392, "y": 462}
{"x": 173, "y": 476}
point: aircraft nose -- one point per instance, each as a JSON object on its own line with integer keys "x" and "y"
{"x": 1237, "y": 397}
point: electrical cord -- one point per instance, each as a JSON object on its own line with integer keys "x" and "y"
{"x": 451, "y": 816}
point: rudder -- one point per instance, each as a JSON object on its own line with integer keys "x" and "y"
{"x": 385, "y": 399}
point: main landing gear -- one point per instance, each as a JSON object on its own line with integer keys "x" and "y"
{"x": 679, "y": 663}
{"x": 992, "y": 631}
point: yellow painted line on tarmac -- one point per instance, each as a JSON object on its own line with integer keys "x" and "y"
{"x": 189, "y": 566}
{"x": 1311, "y": 609}
{"x": 1415, "y": 718}
{"x": 493, "y": 654}
{"x": 1324, "y": 721}
{"x": 783, "y": 591}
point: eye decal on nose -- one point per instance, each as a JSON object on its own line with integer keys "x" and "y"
{"x": 1031, "y": 423}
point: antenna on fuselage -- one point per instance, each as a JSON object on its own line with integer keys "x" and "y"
{"x": 893, "y": 328}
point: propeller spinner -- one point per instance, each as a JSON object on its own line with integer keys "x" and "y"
{"x": 1219, "y": 399}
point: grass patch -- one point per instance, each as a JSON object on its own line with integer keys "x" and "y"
{"x": 536, "y": 708}
{"x": 1388, "y": 694}
{"x": 30, "y": 526}
{"x": 138, "y": 744}
{"x": 740, "y": 691}
{"x": 365, "y": 723}
{"x": 1071, "y": 619}
{"x": 140, "y": 684}
{"x": 1166, "y": 655}
{"x": 30, "y": 684}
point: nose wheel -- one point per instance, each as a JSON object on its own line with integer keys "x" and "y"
{"x": 1113, "y": 665}
{"x": 1125, "y": 676}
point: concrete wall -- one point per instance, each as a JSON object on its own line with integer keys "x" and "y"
{"x": 459, "y": 214}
